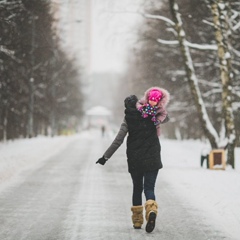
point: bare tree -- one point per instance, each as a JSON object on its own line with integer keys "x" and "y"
{"x": 221, "y": 29}
{"x": 220, "y": 23}
{"x": 220, "y": 9}
{"x": 207, "y": 126}
{"x": 39, "y": 86}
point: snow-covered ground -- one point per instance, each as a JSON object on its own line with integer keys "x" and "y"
{"x": 215, "y": 193}
{"x": 23, "y": 154}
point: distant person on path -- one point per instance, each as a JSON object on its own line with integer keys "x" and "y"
{"x": 103, "y": 130}
{"x": 143, "y": 157}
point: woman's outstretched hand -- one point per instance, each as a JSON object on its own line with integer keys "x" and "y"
{"x": 101, "y": 160}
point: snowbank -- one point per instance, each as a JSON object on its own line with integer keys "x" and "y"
{"x": 22, "y": 154}
{"x": 214, "y": 193}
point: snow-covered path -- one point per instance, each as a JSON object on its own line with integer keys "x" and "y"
{"x": 65, "y": 195}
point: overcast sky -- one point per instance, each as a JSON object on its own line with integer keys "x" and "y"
{"x": 113, "y": 30}
{"x": 98, "y": 38}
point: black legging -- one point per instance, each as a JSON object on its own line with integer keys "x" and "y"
{"x": 143, "y": 181}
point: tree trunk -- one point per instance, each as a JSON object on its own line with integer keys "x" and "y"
{"x": 220, "y": 20}
{"x": 207, "y": 126}
{"x": 31, "y": 84}
{"x": 53, "y": 111}
{"x": 5, "y": 123}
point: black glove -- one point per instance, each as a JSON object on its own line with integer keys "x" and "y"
{"x": 101, "y": 160}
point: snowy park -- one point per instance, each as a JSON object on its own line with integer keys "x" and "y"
{"x": 119, "y": 120}
{"x": 208, "y": 196}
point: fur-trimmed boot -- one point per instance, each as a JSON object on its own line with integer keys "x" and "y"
{"x": 151, "y": 208}
{"x": 137, "y": 216}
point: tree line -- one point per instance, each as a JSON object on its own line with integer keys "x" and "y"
{"x": 192, "y": 48}
{"x": 40, "y": 91}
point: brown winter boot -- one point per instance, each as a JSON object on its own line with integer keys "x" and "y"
{"x": 151, "y": 208}
{"x": 137, "y": 216}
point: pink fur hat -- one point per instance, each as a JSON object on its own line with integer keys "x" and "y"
{"x": 165, "y": 97}
{"x": 155, "y": 95}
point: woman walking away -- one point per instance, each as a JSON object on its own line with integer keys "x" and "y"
{"x": 144, "y": 161}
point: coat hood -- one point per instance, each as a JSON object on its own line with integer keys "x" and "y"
{"x": 164, "y": 100}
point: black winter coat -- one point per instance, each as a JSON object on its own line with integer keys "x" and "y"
{"x": 143, "y": 146}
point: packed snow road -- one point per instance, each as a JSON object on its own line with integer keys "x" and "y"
{"x": 69, "y": 197}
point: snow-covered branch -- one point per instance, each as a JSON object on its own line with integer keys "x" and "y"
{"x": 202, "y": 64}
{"x": 235, "y": 14}
{"x": 211, "y": 84}
{"x": 6, "y": 51}
{"x": 168, "y": 42}
{"x": 212, "y": 91}
{"x": 237, "y": 26}
{"x": 208, "y": 23}
{"x": 9, "y": 53}
{"x": 176, "y": 73}
{"x": 202, "y": 47}
{"x": 189, "y": 44}
{"x": 172, "y": 30}
{"x": 236, "y": 93}
{"x": 236, "y": 106}
{"x": 158, "y": 17}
